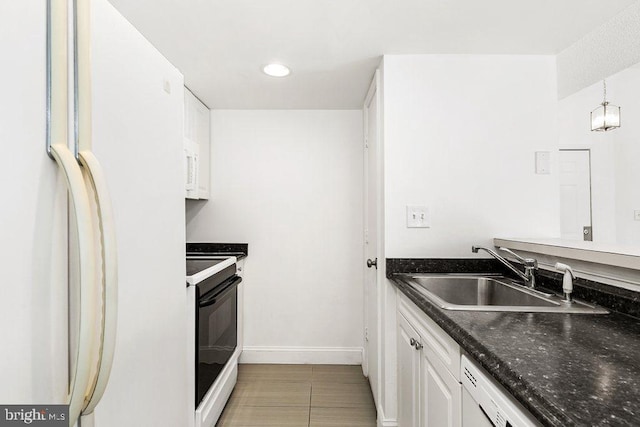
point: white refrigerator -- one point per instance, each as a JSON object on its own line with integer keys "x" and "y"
{"x": 137, "y": 107}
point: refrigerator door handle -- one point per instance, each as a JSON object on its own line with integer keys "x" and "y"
{"x": 79, "y": 377}
{"x": 109, "y": 279}
{"x": 97, "y": 185}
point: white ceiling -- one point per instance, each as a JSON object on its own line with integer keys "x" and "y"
{"x": 333, "y": 46}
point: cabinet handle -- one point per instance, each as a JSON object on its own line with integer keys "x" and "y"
{"x": 418, "y": 346}
{"x": 412, "y": 342}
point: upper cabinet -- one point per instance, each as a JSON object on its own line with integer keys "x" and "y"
{"x": 197, "y": 147}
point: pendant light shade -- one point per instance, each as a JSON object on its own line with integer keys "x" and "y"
{"x": 606, "y": 116}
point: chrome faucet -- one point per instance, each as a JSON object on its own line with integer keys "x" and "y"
{"x": 530, "y": 265}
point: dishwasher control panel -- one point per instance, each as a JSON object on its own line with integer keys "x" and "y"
{"x": 500, "y": 408}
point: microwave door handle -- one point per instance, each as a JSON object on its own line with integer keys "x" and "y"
{"x": 192, "y": 167}
{"x": 194, "y": 171}
{"x": 218, "y": 295}
{"x": 190, "y": 170}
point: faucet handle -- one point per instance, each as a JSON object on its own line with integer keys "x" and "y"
{"x": 528, "y": 262}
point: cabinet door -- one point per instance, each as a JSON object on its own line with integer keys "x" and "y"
{"x": 408, "y": 375}
{"x": 441, "y": 394}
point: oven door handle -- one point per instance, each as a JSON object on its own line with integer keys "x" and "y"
{"x": 224, "y": 287}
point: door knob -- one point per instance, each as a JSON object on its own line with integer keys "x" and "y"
{"x": 373, "y": 263}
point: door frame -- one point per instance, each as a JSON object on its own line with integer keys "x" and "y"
{"x": 372, "y": 93}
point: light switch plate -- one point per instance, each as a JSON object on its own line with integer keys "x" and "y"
{"x": 543, "y": 162}
{"x": 418, "y": 217}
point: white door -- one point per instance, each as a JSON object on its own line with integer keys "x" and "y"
{"x": 371, "y": 293}
{"x": 575, "y": 195}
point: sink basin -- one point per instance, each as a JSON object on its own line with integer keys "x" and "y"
{"x": 476, "y": 293}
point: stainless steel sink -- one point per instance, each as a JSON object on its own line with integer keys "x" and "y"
{"x": 477, "y": 293}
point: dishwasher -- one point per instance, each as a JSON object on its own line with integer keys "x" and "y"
{"x": 486, "y": 404}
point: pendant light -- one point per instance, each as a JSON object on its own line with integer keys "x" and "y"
{"x": 606, "y": 116}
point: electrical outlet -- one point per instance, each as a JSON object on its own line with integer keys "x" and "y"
{"x": 543, "y": 162}
{"x": 418, "y": 217}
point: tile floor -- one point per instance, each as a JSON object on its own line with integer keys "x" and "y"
{"x": 300, "y": 395}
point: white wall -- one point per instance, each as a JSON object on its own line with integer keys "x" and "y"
{"x": 460, "y": 133}
{"x": 290, "y": 183}
{"x": 575, "y": 133}
{"x": 614, "y": 154}
{"x": 627, "y": 155}
{"x": 610, "y": 48}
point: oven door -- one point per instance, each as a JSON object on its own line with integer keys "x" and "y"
{"x": 216, "y": 333}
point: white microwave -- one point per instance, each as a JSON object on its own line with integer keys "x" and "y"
{"x": 191, "y": 152}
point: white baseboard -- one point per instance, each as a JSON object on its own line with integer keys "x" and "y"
{"x": 385, "y": 422}
{"x": 302, "y": 355}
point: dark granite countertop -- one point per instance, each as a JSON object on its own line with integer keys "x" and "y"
{"x": 566, "y": 369}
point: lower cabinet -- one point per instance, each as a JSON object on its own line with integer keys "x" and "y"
{"x": 441, "y": 397}
{"x": 408, "y": 374}
{"x": 429, "y": 393}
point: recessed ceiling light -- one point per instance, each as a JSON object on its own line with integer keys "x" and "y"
{"x": 276, "y": 70}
